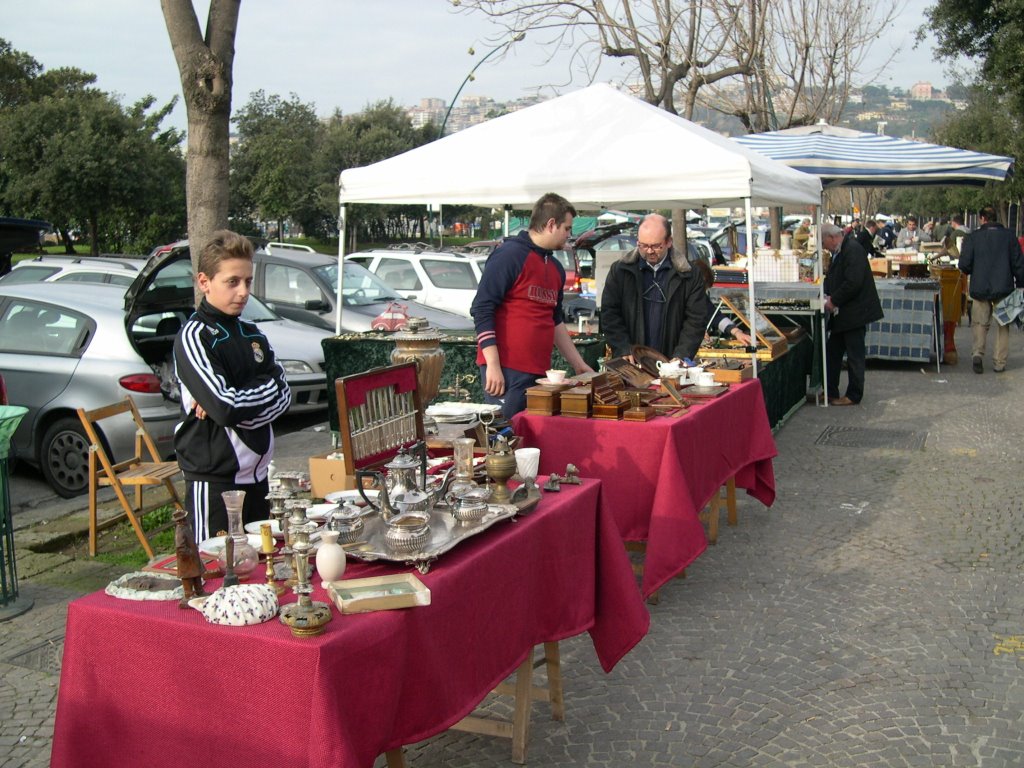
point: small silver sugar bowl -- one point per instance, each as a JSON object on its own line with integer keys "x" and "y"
{"x": 348, "y": 522}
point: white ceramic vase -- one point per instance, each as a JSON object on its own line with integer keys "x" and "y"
{"x": 330, "y": 558}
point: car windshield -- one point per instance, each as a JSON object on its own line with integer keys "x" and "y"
{"x": 257, "y": 312}
{"x": 566, "y": 260}
{"x": 361, "y": 287}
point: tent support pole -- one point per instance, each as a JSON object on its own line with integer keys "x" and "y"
{"x": 342, "y": 234}
{"x": 750, "y": 282}
{"x": 819, "y": 274}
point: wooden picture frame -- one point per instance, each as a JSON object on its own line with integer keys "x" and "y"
{"x": 767, "y": 334}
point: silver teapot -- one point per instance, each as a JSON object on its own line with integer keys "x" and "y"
{"x": 400, "y": 491}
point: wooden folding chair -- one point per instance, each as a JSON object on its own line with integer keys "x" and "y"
{"x": 138, "y": 471}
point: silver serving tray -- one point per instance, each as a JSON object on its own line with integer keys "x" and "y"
{"x": 445, "y": 533}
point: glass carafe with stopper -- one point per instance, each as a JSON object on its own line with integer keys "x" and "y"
{"x": 245, "y": 558}
{"x": 463, "y": 455}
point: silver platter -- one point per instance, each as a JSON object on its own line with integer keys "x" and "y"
{"x": 445, "y": 533}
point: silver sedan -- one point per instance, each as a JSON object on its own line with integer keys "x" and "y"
{"x": 64, "y": 347}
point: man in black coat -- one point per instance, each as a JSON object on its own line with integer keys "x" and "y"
{"x": 866, "y": 238}
{"x": 852, "y": 303}
{"x": 992, "y": 257}
{"x": 652, "y": 296}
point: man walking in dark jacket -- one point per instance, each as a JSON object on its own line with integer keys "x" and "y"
{"x": 992, "y": 257}
{"x": 852, "y": 302}
{"x": 653, "y": 297}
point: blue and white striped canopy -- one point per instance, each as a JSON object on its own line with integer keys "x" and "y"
{"x": 843, "y": 157}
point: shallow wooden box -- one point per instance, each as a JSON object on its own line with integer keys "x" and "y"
{"x": 575, "y": 402}
{"x": 379, "y": 593}
{"x": 732, "y": 375}
{"x": 643, "y": 413}
{"x": 611, "y": 411}
{"x": 545, "y": 401}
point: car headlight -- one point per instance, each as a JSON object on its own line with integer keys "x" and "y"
{"x": 296, "y": 366}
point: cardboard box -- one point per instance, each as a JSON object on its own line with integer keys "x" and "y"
{"x": 326, "y": 475}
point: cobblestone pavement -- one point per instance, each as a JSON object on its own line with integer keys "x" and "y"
{"x": 871, "y": 617}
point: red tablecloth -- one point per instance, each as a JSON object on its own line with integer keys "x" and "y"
{"x": 148, "y": 684}
{"x": 657, "y": 475}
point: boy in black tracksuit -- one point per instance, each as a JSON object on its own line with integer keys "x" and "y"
{"x": 232, "y": 388}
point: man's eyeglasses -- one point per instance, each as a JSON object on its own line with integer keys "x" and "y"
{"x": 649, "y": 248}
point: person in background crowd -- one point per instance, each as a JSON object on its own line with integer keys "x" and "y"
{"x": 851, "y": 301}
{"x": 518, "y": 308}
{"x": 866, "y": 238}
{"x": 927, "y": 232}
{"x": 888, "y": 235}
{"x": 718, "y": 322}
{"x": 992, "y": 257}
{"x": 941, "y": 230}
{"x": 653, "y": 296}
{"x": 957, "y": 232}
{"x": 909, "y": 236}
{"x": 801, "y": 235}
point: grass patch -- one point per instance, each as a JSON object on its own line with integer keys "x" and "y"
{"x": 120, "y": 546}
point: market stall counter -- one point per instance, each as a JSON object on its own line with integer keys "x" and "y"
{"x": 357, "y": 352}
{"x": 147, "y": 683}
{"x": 658, "y": 475}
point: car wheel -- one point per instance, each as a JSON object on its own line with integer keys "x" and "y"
{"x": 64, "y": 457}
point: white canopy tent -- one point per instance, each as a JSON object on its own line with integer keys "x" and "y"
{"x": 597, "y": 147}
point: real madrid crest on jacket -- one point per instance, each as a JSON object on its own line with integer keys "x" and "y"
{"x": 231, "y": 360}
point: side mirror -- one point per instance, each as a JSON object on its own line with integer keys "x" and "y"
{"x": 316, "y": 305}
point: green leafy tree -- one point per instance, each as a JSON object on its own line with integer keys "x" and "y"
{"x": 991, "y": 33}
{"x": 380, "y": 131}
{"x": 18, "y": 70}
{"x": 272, "y": 168}
{"x": 81, "y": 160}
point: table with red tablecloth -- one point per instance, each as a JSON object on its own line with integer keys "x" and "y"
{"x": 657, "y": 475}
{"x": 146, "y": 683}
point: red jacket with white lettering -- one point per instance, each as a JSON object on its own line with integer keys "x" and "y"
{"x": 518, "y": 304}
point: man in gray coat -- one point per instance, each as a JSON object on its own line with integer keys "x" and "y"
{"x": 652, "y": 296}
{"x": 992, "y": 257}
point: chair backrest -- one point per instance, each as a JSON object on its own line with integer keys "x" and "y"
{"x": 90, "y": 419}
{"x": 379, "y": 412}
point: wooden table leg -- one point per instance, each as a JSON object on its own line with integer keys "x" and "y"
{"x": 395, "y": 758}
{"x": 521, "y": 711}
{"x": 553, "y": 663}
{"x": 730, "y": 500}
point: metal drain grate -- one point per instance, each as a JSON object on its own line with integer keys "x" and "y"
{"x": 45, "y": 657}
{"x": 861, "y": 437}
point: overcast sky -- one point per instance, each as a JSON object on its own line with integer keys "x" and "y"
{"x": 336, "y": 53}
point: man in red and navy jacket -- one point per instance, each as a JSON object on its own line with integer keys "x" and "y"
{"x": 518, "y": 308}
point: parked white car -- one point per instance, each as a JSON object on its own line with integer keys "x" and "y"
{"x": 287, "y": 248}
{"x": 113, "y": 270}
{"x": 442, "y": 280}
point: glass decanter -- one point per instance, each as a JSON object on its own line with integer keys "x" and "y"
{"x": 463, "y": 454}
{"x": 246, "y": 558}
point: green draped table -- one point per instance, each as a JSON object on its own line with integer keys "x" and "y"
{"x": 358, "y": 352}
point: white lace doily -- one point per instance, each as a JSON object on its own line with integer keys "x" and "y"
{"x": 118, "y": 587}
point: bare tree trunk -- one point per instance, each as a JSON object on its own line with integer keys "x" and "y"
{"x": 205, "y": 66}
